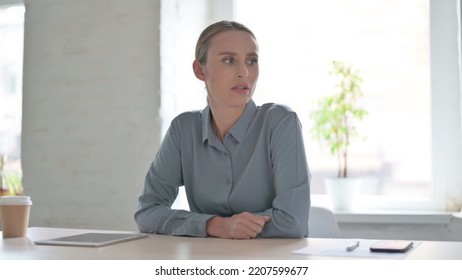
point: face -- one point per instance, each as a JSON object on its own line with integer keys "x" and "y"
{"x": 231, "y": 70}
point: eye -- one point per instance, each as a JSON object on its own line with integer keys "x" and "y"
{"x": 252, "y": 61}
{"x": 228, "y": 60}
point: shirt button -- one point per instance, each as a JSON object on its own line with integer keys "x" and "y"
{"x": 228, "y": 181}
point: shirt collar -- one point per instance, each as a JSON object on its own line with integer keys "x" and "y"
{"x": 239, "y": 128}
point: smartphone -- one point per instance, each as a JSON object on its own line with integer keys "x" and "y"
{"x": 392, "y": 246}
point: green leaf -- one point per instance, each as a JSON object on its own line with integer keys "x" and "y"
{"x": 336, "y": 115}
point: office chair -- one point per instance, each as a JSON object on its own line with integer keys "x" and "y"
{"x": 322, "y": 223}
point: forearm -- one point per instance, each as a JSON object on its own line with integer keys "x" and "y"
{"x": 289, "y": 214}
{"x": 283, "y": 225}
{"x": 163, "y": 220}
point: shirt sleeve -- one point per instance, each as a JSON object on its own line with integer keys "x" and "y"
{"x": 164, "y": 177}
{"x": 291, "y": 205}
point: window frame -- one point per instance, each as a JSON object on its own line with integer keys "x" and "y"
{"x": 5, "y": 4}
{"x": 446, "y": 104}
{"x": 10, "y": 3}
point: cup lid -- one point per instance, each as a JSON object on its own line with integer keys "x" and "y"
{"x": 15, "y": 200}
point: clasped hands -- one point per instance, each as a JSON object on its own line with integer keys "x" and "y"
{"x": 240, "y": 226}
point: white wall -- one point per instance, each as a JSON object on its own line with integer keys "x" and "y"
{"x": 91, "y": 121}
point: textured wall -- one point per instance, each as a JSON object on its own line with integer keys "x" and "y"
{"x": 91, "y": 107}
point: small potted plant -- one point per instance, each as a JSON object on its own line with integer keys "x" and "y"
{"x": 335, "y": 124}
{"x": 10, "y": 181}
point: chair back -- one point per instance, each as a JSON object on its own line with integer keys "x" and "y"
{"x": 322, "y": 223}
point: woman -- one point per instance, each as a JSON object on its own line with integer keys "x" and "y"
{"x": 243, "y": 167}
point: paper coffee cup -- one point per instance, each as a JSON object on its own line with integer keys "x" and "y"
{"x": 15, "y": 212}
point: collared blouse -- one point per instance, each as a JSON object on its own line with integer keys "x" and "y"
{"x": 260, "y": 167}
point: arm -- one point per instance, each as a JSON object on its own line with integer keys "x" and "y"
{"x": 154, "y": 214}
{"x": 290, "y": 207}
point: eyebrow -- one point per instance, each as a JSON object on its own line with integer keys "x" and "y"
{"x": 233, "y": 53}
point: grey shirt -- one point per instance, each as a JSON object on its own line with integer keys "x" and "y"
{"x": 260, "y": 167}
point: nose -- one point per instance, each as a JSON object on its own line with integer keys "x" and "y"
{"x": 242, "y": 71}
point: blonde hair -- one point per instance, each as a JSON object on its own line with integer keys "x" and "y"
{"x": 204, "y": 39}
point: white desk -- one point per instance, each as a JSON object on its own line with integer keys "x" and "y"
{"x": 163, "y": 247}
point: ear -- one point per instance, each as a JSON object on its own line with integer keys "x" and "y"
{"x": 198, "y": 70}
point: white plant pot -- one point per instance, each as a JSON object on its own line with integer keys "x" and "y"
{"x": 343, "y": 192}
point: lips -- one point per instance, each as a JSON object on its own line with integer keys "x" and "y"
{"x": 241, "y": 88}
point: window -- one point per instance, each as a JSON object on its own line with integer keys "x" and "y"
{"x": 411, "y": 153}
{"x": 11, "y": 57}
{"x": 389, "y": 43}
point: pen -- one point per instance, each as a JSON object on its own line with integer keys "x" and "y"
{"x": 352, "y": 246}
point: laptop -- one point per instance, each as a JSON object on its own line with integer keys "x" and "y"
{"x": 92, "y": 239}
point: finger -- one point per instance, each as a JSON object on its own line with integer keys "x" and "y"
{"x": 247, "y": 225}
{"x": 246, "y": 232}
{"x": 242, "y": 232}
{"x": 243, "y": 228}
{"x": 253, "y": 227}
{"x": 251, "y": 234}
{"x": 260, "y": 220}
{"x": 258, "y": 224}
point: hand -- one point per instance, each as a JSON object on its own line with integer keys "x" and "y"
{"x": 240, "y": 226}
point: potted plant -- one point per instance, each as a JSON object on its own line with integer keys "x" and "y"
{"x": 10, "y": 181}
{"x": 335, "y": 124}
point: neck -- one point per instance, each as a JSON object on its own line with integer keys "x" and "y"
{"x": 223, "y": 119}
